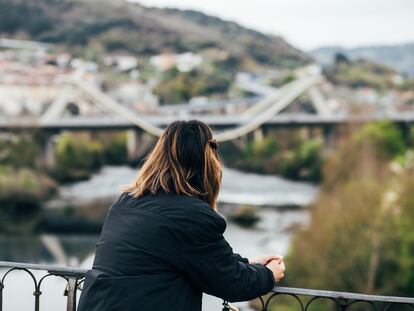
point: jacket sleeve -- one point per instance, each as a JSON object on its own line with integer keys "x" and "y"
{"x": 212, "y": 267}
{"x": 241, "y": 258}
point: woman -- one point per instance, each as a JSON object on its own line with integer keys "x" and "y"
{"x": 162, "y": 243}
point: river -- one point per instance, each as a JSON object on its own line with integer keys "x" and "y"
{"x": 275, "y": 197}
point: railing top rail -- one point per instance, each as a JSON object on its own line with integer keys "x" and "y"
{"x": 342, "y": 295}
{"x": 79, "y": 273}
{"x": 53, "y": 269}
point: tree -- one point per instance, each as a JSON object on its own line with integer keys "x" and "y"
{"x": 360, "y": 236}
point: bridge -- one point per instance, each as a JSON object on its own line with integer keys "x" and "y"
{"x": 219, "y": 122}
{"x": 266, "y": 114}
{"x": 302, "y": 298}
{"x": 269, "y": 106}
{"x": 253, "y": 118}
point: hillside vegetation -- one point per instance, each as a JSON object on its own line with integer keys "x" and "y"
{"x": 113, "y": 25}
{"x": 400, "y": 57}
{"x": 361, "y": 73}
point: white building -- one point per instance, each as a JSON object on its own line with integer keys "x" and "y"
{"x": 184, "y": 62}
{"x": 135, "y": 94}
{"x": 121, "y": 62}
{"x": 188, "y": 61}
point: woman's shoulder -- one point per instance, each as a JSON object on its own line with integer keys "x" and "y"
{"x": 202, "y": 221}
{"x": 187, "y": 211}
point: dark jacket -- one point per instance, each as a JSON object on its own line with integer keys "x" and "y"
{"x": 160, "y": 252}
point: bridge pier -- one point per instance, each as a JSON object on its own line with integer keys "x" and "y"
{"x": 48, "y": 153}
{"x": 258, "y": 134}
{"x": 310, "y": 132}
{"x": 138, "y": 144}
{"x": 329, "y": 136}
{"x": 240, "y": 142}
{"x": 132, "y": 144}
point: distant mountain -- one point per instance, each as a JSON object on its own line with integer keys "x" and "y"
{"x": 400, "y": 57}
{"x": 113, "y": 25}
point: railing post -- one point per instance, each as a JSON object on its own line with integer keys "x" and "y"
{"x": 37, "y": 294}
{"x": 71, "y": 293}
{"x": 343, "y": 303}
{"x": 1, "y": 295}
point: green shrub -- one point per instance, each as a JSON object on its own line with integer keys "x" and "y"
{"x": 19, "y": 186}
{"x": 114, "y": 148}
{"x": 303, "y": 162}
{"x": 385, "y": 139}
{"x": 361, "y": 224}
{"x": 21, "y": 192}
{"x": 294, "y": 159}
{"x": 19, "y": 151}
{"x": 264, "y": 148}
{"x": 245, "y": 216}
{"x": 76, "y": 157}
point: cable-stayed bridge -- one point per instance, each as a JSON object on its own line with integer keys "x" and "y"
{"x": 265, "y": 114}
{"x": 237, "y": 126}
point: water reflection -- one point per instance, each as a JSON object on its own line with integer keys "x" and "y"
{"x": 271, "y": 234}
{"x": 62, "y": 249}
{"x": 238, "y": 188}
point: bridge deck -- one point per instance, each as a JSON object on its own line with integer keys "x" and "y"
{"x": 91, "y": 123}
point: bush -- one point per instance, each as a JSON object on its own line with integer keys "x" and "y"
{"x": 19, "y": 151}
{"x": 364, "y": 154}
{"x": 76, "y": 157}
{"x": 260, "y": 156}
{"x": 245, "y": 216}
{"x": 265, "y": 148}
{"x": 294, "y": 158}
{"x": 385, "y": 139}
{"x": 114, "y": 148}
{"x": 404, "y": 240}
{"x": 303, "y": 162}
{"x": 21, "y": 192}
{"x": 19, "y": 187}
{"x": 361, "y": 225}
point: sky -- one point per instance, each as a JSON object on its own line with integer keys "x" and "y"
{"x": 309, "y": 24}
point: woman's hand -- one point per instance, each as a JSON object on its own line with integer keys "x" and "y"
{"x": 278, "y": 269}
{"x": 264, "y": 260}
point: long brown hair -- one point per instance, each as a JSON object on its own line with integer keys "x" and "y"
{"x": 185, "y": 160}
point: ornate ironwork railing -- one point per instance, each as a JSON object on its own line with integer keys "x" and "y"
{"x": 73, "y": 276}
{"x": 303, "y": 298}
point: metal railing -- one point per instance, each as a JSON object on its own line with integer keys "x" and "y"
{"x": 73, "y": 276}
{"x": 304, "y": 298}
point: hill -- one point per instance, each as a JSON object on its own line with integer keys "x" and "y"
{"x": 400, "y": 57}
{"x": 361, "y": 73}
{"x": 113, "y": 25}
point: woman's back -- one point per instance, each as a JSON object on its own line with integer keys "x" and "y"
{"x": 161, "y": 252}
{"x": 162, "y": 243}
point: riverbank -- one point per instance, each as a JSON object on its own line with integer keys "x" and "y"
{"x": 83, "y": 205}
{"x": 290, "y": 156}
{"x": 80, "y": 222}
{"x": 26, "y": 173}
{"x": 80, "y": 207}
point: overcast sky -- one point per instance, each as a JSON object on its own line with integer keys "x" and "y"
{"x": 313, "y": 23}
